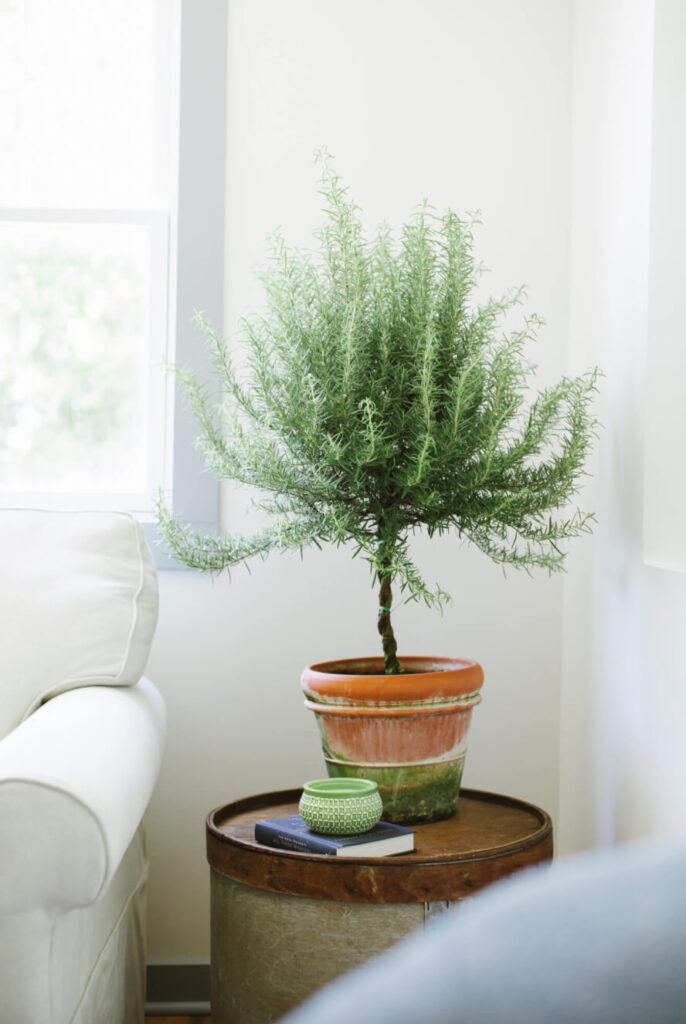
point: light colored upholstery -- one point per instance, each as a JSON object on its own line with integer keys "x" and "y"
{"x": 75, "y": 775}
{"x": 598, "y": 939}
{"x": 90, "y": 584}
{"x": 83, "y": 767}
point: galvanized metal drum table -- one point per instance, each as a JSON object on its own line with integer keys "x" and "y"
{"x": 285, "y": 923}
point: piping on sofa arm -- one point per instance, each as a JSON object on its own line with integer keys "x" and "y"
{"x": 75, "y": 780}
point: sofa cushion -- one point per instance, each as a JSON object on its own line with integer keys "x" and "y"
{"x": 78, "y": 605}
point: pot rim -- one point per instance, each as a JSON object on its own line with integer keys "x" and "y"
{"x": 434, "y": 678}
{"x": 340, "y": 788}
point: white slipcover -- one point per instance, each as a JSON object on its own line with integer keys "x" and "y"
{"x": 75, "y": 775}
{"x": 78, "y": 605}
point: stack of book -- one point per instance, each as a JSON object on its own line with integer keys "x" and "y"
{"x": 384, "y": 840}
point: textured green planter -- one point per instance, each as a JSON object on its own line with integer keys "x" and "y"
{"x": 340, "y": 807}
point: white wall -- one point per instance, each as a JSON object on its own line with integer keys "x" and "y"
{"x": 652, "y": 789}
{"x": 608, "y": 311}
{"x": 466, "y": 103}
{"x": 623, "y": 757}
{"x": 665, "y": 464}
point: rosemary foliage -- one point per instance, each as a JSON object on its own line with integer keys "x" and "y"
{"x": 376, "y": 397}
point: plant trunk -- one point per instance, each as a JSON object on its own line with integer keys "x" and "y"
{"x": 391, "y": 664}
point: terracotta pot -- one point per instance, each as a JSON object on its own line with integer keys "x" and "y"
{"x": 407, "y": 732}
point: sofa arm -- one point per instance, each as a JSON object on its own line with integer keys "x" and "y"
{"x": 75, "y": 779}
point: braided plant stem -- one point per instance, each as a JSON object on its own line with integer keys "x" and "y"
{"x": 391, "y": 664}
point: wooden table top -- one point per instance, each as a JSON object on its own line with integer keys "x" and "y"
{"x": 490, "y": 837}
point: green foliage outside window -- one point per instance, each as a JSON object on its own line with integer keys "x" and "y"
{"x": 70, "y": 331}
{"x": 377, "y": 397}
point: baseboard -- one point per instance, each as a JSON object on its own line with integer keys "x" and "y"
{"x": 177, "y": 989}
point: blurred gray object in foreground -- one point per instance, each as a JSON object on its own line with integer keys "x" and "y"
{"x": 599, "y": 939}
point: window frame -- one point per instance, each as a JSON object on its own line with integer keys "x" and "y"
{"x": 187, "y": 266}
{"x": 196, "y": 251}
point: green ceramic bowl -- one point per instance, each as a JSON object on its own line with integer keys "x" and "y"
{"x": 340, "y": 807}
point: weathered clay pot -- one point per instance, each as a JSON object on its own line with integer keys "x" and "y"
{"x": 407, "y": 732}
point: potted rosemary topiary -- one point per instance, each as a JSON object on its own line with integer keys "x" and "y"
{"x": 378, "y": 398}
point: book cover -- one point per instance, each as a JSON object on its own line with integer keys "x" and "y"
{"x": 291, "y": 833}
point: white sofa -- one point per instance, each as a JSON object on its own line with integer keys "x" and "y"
{"x": 81, "y": 741}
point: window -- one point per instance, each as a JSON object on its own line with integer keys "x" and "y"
{"x": 111, "y": 234}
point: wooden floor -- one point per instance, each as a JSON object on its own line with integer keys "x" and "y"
{"x": 177, "y": 1020}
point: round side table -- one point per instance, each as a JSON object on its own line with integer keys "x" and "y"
{"x": 285, "y": 923}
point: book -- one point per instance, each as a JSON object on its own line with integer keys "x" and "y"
{"x": 384, "y": 840}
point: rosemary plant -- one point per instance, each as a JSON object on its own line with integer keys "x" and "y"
{"x": 376, "y": 397}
